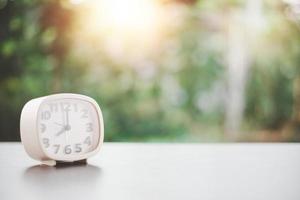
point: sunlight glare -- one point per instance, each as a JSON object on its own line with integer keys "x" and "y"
{"x": 123, "y": 16}
{"x": 123, "y": 28}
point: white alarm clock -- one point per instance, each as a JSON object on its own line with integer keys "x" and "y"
{"x": 61, "y": 128}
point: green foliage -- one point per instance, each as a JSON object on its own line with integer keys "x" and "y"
{"x": 151, "y": 97}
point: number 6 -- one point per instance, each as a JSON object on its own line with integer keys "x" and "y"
{"x": 68, "y": 149}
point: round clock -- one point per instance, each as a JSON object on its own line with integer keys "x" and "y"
{"x": 61, "y": 128}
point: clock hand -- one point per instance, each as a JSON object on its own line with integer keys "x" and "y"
{"x": 63, "y": 126}
{"x": 67, "y": 126}
{"x": 61, "y": 131}
{"x": 67, "y": 118}
{"x": 63, "y": 119}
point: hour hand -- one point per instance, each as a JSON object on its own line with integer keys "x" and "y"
{"x": 61, "y": 131}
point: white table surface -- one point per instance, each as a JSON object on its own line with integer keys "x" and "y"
{"x": 137, "y": 171}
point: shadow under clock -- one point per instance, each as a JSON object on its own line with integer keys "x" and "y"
{"x": 71, "y": 181}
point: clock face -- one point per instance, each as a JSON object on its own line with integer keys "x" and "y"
{"x": 68, "y": 127}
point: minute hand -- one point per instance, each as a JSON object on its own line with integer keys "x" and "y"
{"x": 67, "y": 126}
{"x": 67, "y": 118}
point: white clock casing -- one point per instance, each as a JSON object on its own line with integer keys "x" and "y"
{"x": 31, "y": 133}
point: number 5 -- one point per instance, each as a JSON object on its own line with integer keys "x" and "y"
{"x": 78, "y": 148}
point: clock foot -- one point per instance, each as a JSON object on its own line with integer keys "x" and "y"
{"x": 78, "y": 162}
{"x": 49, "y": 162}
{"x": 62, "y": 163}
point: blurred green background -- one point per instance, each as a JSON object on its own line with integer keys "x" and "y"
{"x": 162, "y": 71}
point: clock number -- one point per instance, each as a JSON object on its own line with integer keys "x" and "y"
{"x": 78, "y": 148}
{"x": 46, "y": 115}
{"x": 43, "y": 128}
{"x": 65, "y": 106}
{"x": 53, "y": 107}
{"x": 56, "y": 146}
{"x": 68, "y": 149}
{"x": 88, "y": 141}
{"x": 46, "y": 142}
{"x": 89, "y": 127}
{"x": 84, "y": 113}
